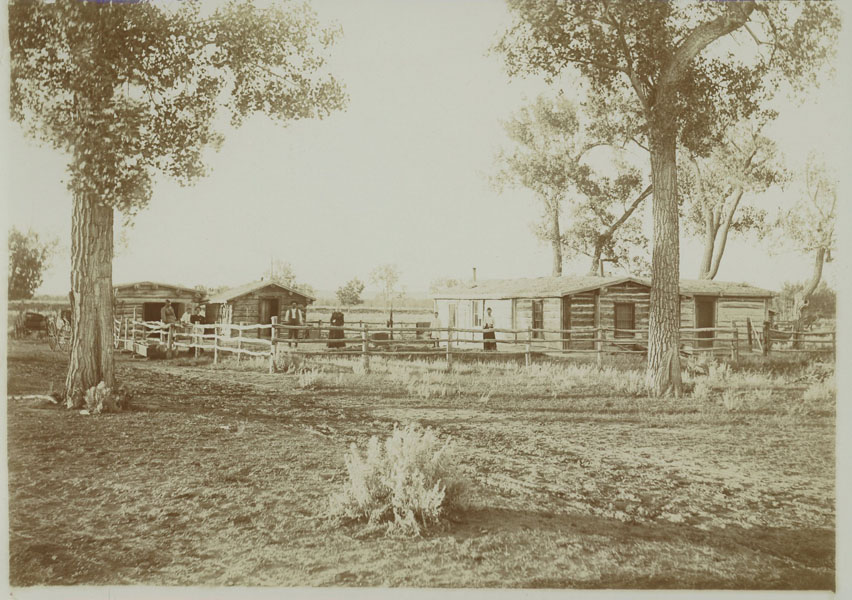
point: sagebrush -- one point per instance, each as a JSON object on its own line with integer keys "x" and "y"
{"x": 409, "y": 481}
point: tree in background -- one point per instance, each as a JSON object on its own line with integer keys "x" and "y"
{"x": 744, "y": 163}
{"x": 684, "y": 85}
{"x": 822, "y": 303}
{"x": 386, "y": 278}
{"x": 28, "y": 259}
{"x": 132, "y": 90}
{"x": 350, "y": 294}
{"x": 281, "y": 271}
{"x": 443, "y": 283}
{"x": 809, "y": 225}
{"x": 547, "y": 158}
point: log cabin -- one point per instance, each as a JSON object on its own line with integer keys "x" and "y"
{"x": 254, "y": 303}
{"x": 618, "y": 303}
{"x": 144, "y": 299}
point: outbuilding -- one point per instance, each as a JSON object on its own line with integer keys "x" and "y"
{"x": 620, "y": 304}
{"x": 144, "y": 299}
{"x": 255, "y": 303}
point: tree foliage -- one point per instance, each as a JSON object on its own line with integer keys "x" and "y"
{"x": 551, "y": 140}
{"x": 281, "y": 271}
{"x": 386, "y": 278}
{"x": 350, "y": 293}
{"x": 809, "y": 226}
{"x": 720, "y": 191}
{"x": 28, "y": 259}
{"x": 130, "y": 90}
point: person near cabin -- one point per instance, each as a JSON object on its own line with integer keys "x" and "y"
{"x": 196, "y": 321}
{"x": 336, "y": 331}
{"x": 435, "y": 329}
{"x": 167, "y": 313}
{"x": 294, "y": 317}
{"x": 488, "y": 332}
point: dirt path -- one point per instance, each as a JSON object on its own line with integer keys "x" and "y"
{"x": 223, "y": 477}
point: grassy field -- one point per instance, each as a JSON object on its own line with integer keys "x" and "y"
{"x": 222, "y": 476}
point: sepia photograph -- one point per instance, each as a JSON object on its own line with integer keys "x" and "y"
{"x": 337, "y": 297}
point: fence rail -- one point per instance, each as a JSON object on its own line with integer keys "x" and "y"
{"x": 254, "y": 340}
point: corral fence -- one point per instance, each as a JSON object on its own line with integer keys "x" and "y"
{"x": 150, "y": 338}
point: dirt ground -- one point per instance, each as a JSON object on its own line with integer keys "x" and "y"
{"x": 222, "y": 477}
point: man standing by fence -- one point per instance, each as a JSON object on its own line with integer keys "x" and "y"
{"x": 293, "y": 318}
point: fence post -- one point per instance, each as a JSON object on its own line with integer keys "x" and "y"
{"x": 196, "y": 339}
{"x": 216, "y": 343}
{"x": 600, "y": 345}
{"x": 449, "y": 348}
{"x": 767, "y": 338}
{"x": 748, "y": 331}
{"x": 365, "y": 356}
{"x": 528, "y": 355}
{"x": 171, "y": 340}
{"x": 240, "y": 340}
{"x": 735, "y": 350}
{"x": 273, "y": 344}
{"x": 834, "y": 341}
{"x": 124, "y": 338}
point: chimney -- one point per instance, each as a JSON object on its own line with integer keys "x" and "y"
{"x": 474, "y": 274}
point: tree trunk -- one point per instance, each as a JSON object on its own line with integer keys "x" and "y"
{"x": 810, "y": 286}
{"x": 595, "y": 268}
{"x": 719, "y": 239}
{"x": 664, "y": 323}
{"x": 91, "y": 299}
{"x": 556, "y": 242}
{"x": 710, "y": 229}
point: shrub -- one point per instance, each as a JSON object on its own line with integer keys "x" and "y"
{"x": 701, "y": 391}
{"x": 732, "y": 400}
{"x": 408, "y": 482}
{"x": 821, "y": 391}
{"x": 309, "y": 379}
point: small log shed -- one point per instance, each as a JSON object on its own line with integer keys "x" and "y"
{"x": 144, "y": 299}
{"x": 255, "y": 303}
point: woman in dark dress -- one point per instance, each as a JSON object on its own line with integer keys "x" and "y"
{"x": 488, "y": 332}
{"x": 334, "y": 333}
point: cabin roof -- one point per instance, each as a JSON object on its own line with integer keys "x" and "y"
{"x": 142, "y": 285}
{"x": 241, "y": 290}
{"x": 554, "y": 287}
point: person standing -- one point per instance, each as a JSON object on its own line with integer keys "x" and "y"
{"x": 435, "y": 329}
{"x": 294, "y": 317}
{"x": 336, "y": 331}
{"x": 488, "y": 336}
{"x": 167, "y": 313}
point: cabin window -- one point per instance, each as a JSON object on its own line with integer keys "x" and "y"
{"x": 625, "y": 318}
{"x": 538, "y": 318}
{"x": 477, "y": 313}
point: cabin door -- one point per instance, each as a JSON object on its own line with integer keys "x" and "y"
{"x": 267, "y": 308}
{"x": 566, "y": 322}
{"x": 705, "y": 316}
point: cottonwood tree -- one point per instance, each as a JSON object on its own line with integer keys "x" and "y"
{"x": 719, "y": 190}
{"x": 386, "y": 278}
{"x": 28, "y": 258}
{"x": 686, "y": 83}
{"x": 809, "y": 225}
{"x": 131, "y": 90}
{"x": 281, "y": 271}
{"x": 550, "y": 144}
{"x": 350, "y": 294}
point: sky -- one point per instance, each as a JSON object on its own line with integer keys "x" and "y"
{"x": 402, "y": 176}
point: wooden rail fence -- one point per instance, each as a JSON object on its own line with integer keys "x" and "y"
{"x": 149, "y": 338}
